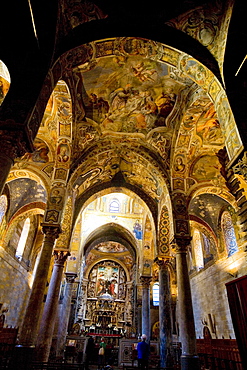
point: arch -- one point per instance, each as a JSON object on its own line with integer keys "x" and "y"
{"x": 109, "y": 187}
{"x": 90, "y": 266}
{"x": 111, "y": 232}
{"x": 223, "y": 193}
{"x": 29, "y": 173}
{"x": 22, "y": 214}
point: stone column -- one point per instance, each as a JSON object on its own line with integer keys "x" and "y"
{"x": 12, "y": 146}
{"x": 164, "y": 311}
{"x": 145, "y": 280}
{"x": 64, "y": 314}
{"x": 50, "y": 309}
{"x": 189, "y": 358}
{"x": 28, "y": 334}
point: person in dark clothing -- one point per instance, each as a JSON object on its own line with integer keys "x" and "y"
{"x": 143, "y": 353}
{"x": 89, "y": 352}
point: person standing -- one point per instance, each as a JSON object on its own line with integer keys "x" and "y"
{"x": 143, "y": 353}
{"x": 102, "y": 348}
{"x": 89, "y": 352}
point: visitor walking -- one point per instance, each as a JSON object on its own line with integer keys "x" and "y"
{"x": 143, "y": 353}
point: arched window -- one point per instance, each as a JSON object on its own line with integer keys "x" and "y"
{"x": 23, "y": 238}
{"x": 197, "y": 244}
{"x": 229, "y": 233}
{"x": 3, "y": 206}
{"x": 114, "y": 206}
{"x": 156, "y": 299}
{"x": 4, "y": 81}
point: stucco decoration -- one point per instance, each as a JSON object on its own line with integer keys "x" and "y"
{"x": 135, "y": 169}
{"x": 208, "y": 24}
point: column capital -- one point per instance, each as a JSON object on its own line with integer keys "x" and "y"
{"x": 60, "y": 256}
{"x": 182, "y": 243}
{"x": 70, "y": 277}
{"x": 51, "y": 230}
{"x": 162, "y": 261}
{"x": 145, "y": 281}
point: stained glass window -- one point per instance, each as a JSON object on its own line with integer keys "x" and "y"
{"x": 229, "y": 233}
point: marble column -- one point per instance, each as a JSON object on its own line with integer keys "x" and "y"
{"x": 164, "y": 311}
{"x": 145, "y": 280}
{"x": 29, "y": 331}
{"x": 50, "y": 309}
{"x": 12, "y": 146}
{"x": 189, "y": 358}
{"x": 64, "y": 313}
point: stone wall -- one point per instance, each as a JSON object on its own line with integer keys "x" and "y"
{"x": 14, "y": 288}
{"x": 210, "y": 297}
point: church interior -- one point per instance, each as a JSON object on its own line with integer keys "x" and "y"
{"x": 123, "y": 179}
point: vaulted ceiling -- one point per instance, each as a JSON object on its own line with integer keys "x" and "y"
{"x": 125, "y": 95}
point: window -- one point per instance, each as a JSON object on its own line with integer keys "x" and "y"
{"x": 23, "y": 238}
{"x": 229, "y": 233}
{"x": 197, "y": 244}
{"x": 114, "y": 206}
{"x": 156, "y": 300}
{"x": 3, "y": 206}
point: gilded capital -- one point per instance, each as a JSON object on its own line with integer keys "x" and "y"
{"x": 60, "y": 257}
{"x": 182, "y": 244}
{"x": 145, "y": 281}
{"x": 162, "y": 261}
{"x": 51, "y": 231}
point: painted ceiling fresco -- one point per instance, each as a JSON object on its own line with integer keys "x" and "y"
{"x": 110, "y": 247}
{"x": 104, "y": 250}
{"x": 132, "y": 111}
{"x": 132, "y": 95}
{"x": 134, "y": 108}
